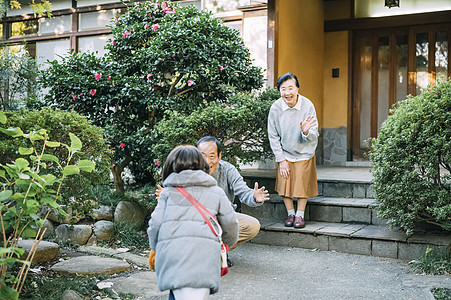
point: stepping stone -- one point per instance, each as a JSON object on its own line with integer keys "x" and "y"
{"x": 141, "y": 284}
{"x": 91, "y": 265}
{"x": 46, "y": 250}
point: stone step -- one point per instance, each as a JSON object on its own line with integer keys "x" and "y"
{"x": 351, "y": 238}
{"x": 326, "y": 209}
{"x": 332, "y": 182}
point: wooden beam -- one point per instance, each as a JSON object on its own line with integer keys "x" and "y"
{"x": 386, "y": 22}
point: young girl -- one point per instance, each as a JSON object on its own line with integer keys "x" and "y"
{"x": 187, "y": 258}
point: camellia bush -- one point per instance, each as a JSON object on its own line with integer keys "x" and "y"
{"x": 76, "y": 190}
{"x": 411, "y": 160}
{"x": 240, "y": 126}
{"x": 161, "y": 58}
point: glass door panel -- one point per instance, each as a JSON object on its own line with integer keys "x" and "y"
{"x": 441, "y": 56}
{"x": 402, "y": 60}
{"x": 422, "y": 63}
{"x": 383, "y": 79}
{"x": 365, "y": 89}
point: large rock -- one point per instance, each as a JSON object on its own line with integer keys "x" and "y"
{"x": 46, "y": 251}
{"x": 47, "y": 225}
{"x": 103, "y": 213}
{"x": 142, "y": 284}
{"x": 56, "y": 217}
{"x": 104, "y": 230}
{"x": 130, "y": 213}
{"x": 78, "y": 234}
{"x": 91, "y": 265}
{"x": 50, "y": 228}
{"x": 71, "y": 295}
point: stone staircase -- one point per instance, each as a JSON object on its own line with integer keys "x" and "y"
{"x": 342, "y": 218}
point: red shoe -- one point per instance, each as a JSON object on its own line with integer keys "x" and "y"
{"x": 289, "y": 221}
{"x": 298, "y": 222}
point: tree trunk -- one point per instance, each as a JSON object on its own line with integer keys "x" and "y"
{"x": 118, "y": 182}
{"x": 117, "y": 174}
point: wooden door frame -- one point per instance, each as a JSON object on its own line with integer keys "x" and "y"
{"x": 355, "y": 101}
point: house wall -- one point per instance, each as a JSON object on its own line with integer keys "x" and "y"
{"x": 305, "y": 50}
{"x": 335, "y": 99}
{"x": 300, "y": 46}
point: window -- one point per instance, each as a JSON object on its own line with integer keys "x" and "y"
{"x": 93, "y": 44}
{"x": 97, "y": 19}
{"x": 24, "y": 28}
{"x": 55, "y": 25}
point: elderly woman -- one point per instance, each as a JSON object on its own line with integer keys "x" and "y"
{"x": 293, "y": 136}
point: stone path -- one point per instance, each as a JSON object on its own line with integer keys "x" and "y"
{"x": 91, "y": 265}
{"x": 274, "y": 272}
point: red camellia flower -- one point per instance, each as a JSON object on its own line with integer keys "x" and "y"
{"x": 98, "y": 76}
{"x": 190, "y": 82}
{"x": 122, "y": 145}
{"x": 155, "y": 27}
{"x": 74, "y": 96}
{"x": 113, "y": 43}
{"x": 125, "y": 35}
{"x": 93, "y": 92}
{"x": 157, "y": 161}
{"x": 109, "y": 78}
{"x": 146, "y": 26}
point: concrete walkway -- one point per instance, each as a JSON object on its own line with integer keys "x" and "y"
{"x": 272, "y": 272}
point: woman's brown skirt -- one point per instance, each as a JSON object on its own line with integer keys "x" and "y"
{"x": 301, "y": 182}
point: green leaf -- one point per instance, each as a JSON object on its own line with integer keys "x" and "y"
{"x": 23, "y": 176}
{"x": 48, "y": 179}
{"x": 2, "y": 117}
{"x": 50, "y": 157}
{"x": 71, "y": 170}
{"x": 18, "y": 196}
{"x": 29, "y": 232}
{"x": 7, "y": 292}
{"x": 75, "y": 143}
{"x": 53, "y": 204}
{"x": 86, "y": 165}
{"x": 25, "y": 151}
{"x": 5, "y": 195}
{"x": 53, "y": 144}
{"x": 14, "y": 132}
{"x": 34, "y": 136}
{"x": 22, "y": 163}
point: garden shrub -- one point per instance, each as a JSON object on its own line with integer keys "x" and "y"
{"x": 161, "y": 57}
{"x": 411, "y": 160}
{"x": 18, "y": 72}
{"x": 240, "y": 125}
{"x": 28, "y": 186}
{"x": 75, "y": 189}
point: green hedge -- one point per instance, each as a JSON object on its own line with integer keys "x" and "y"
{"x": 240, "y": 126}
{"x": 411, "y": 160}
{"x": 76, "y": 189}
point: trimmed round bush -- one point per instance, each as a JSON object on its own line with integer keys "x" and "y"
{"x": 76, "y": 189}
{"x": 240, "y": 125}
{"x": 411, "y": 160}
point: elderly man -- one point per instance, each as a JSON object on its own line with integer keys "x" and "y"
{"x": 230, "y": 180}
